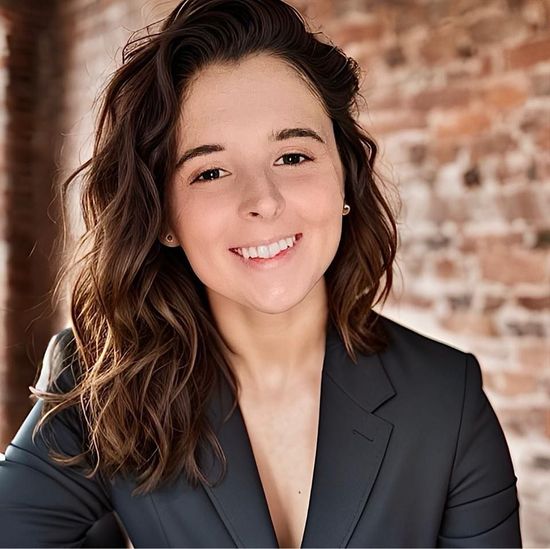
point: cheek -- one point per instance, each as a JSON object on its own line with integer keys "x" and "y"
{"x": 184, "y": 215}
{"x": 201, "y": 229}
{"x": 324, "y": 205}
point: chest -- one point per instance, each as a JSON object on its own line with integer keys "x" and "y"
{"x": 283, "y": 436}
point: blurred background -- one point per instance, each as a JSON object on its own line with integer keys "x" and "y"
{"x": 458, "y": 98}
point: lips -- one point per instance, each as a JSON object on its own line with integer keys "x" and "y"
{"x": 267, "y": 263}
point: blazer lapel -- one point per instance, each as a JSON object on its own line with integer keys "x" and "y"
{"x": 239, "y": 499}
{"x": 351, "y": 443}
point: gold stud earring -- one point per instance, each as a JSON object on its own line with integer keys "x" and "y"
{"x": 346, "y": 209}
{"x": 168, "y": 240}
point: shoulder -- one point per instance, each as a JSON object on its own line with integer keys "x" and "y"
{"x": 450, "y": 434}
{"x": 438, "y": 387}
{"x": 425, "y": 367}
{"x": 60, "y": 368}
{"x": 407, "y": 341}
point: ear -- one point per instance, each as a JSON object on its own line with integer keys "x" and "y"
{"x": 168, "y": 238}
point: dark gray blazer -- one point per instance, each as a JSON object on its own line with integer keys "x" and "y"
{"x": 410, "y": 454}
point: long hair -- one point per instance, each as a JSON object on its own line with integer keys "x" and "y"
{"x": 148, "y": 352}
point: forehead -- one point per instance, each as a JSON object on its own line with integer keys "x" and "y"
{"x": 259, "y": 89}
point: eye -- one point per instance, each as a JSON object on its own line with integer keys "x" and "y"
{"x": 214, "y": 173}
{"x": 293, "y": 157}
{"x": 210, "y": 175}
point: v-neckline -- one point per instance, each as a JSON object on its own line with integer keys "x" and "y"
{"x": 345, "y": 466}
{"x": 311, "y": 479}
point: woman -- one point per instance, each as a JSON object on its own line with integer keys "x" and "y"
{"x": 226, "y": 381}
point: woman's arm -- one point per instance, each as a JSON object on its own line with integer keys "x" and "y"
{"x": 482, "y": 507}
{"x": 44, "y": 504}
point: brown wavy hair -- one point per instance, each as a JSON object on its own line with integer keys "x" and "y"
{"x": 148, "y": 352}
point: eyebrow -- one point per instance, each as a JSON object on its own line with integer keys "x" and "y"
{"x": 281, "y": 135}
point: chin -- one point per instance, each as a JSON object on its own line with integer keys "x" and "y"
{"x": 280, "y": 301}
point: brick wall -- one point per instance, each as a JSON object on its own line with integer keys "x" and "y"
{"x": 458, "y": 97}
{"x": 31, "y": 92}
{"x": 3, "y": 226}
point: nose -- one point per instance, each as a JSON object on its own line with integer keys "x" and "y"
{"x": 261, "y": 197}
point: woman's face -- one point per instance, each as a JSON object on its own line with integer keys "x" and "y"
{"x": 256, "y": 182}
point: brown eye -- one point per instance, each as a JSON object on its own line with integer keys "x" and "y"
{"x": 209, "y": 175}
{"x": 294, "y": 159}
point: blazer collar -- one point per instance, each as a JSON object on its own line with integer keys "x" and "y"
{"x": 351, "y": 443}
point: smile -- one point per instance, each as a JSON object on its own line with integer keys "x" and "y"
{"x": 267, "y": 251}
{"x": 268, "y": 256}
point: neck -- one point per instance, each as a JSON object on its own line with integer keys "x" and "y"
{"x": 274, "y": 352}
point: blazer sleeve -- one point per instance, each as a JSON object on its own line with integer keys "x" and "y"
{"x": 42, "y": 503}
{"x": 482, "y": 508}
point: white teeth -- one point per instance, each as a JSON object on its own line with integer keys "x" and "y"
{"x": 267, "y": 251}
{"x": 274, "y": 249}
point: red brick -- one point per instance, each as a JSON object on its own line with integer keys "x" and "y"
{"x": 512, "y": 265}
{"x": 408, "y": 15}
{"x": 421, "y": 302}
{"x": 459, "y": 301}
{"x": 534, "y": 356}
{"x": 465, "y": 70}
{"x": 524, "y": 203}
{"x": 440, "y": 45}
{"x": 535, "y": 118}
{"x": 527, "y": 54}
{"x": 384, "y": 100}
{"x": 388, "y": 122}
{"x": 492, "y": 303}
{"x": 542, "y": 236}
{"x": 446, "y": 267}
{"x": 495, "y": 142}
{"x": 418, "y": 153}
{"x": 522, "y": 421}
{"x": 347, "y": 32}
{"x": 416, "y": 300}
{"x": 494, "y": 28}
{"x": 510, "y": 383}
{"x": 443, "y": 150}
{"x": 504, "y": 96}
{"x": 469, "y": 322}
{"x": 542, "y": 162}
{"x": 462, "y": 123}
{"x": 540, "y": 83}
{"x": 444, "y": 98}
{"x": 534, "y": 303}
{"x": 525, "y": 327}
{"x": 3, "y": 236}
{"x": 479, "y": 243}
{"x": 454, "y": 210}
{"x": 487, "y": 65}
{"x": 394, "y": 56}
{"x": 542, "y": 138}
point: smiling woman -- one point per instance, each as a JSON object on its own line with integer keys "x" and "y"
{"x": 276, "y": 156}
{"x": 226, "y": 380}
